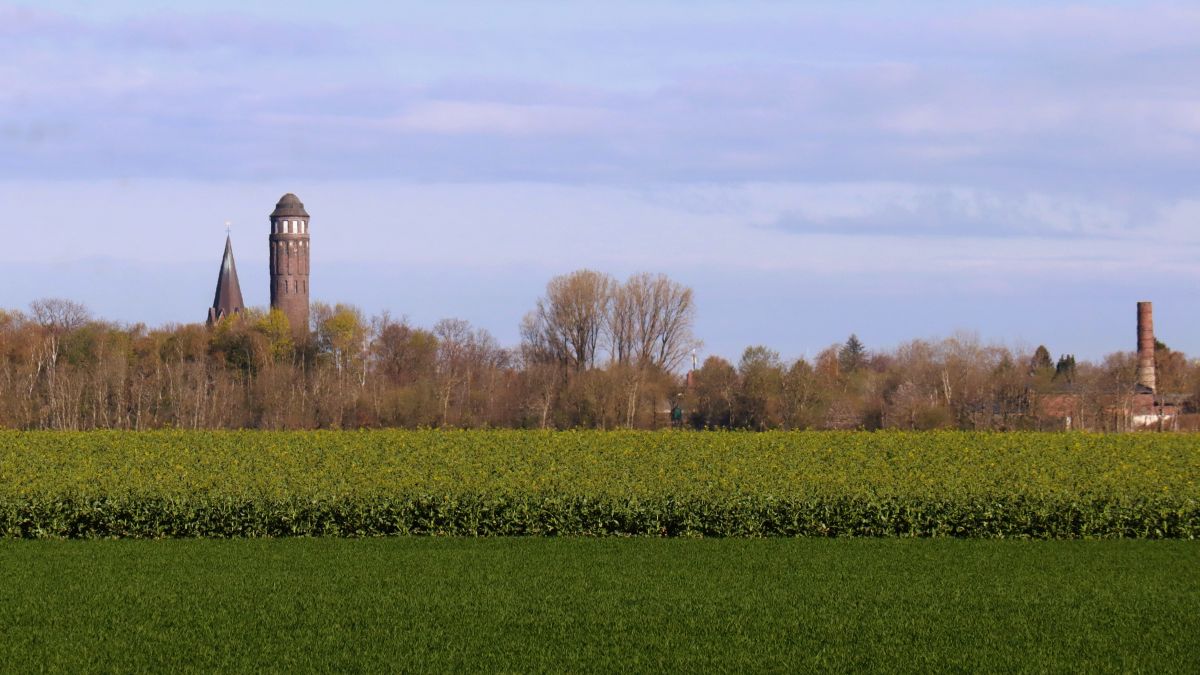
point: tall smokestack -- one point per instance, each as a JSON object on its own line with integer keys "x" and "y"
{"x": 1145, "y": 371}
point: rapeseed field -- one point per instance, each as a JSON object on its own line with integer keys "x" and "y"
{"x": 166, "y": 484}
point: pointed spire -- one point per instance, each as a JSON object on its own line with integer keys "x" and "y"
{"x": 228, "y": 298}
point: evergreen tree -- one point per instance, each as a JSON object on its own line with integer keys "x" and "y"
{"x": 1041, "y": 361}
{"x": 852, "y": 356}
{"x": 1065, "y": 368}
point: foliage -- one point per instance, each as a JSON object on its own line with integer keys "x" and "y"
{"x": 1065, "y": 368}
{"x": 277, "y": 332}
{"x": 228, "y": 484}
{"x": 598, "y": 353}
{"x": 1040, "y": 362}
{"x": 852, "y": 355}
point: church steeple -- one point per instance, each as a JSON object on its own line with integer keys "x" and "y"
{"x": 228, "y": 298}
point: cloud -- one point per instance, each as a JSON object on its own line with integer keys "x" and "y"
{"x": 169, "y": 31}
{"x": 1018, "y": 101}
{"x": 27, "y": 24}
{"x": 788, "y": 159}
{"x": 956, "y": 212}
{"x": 503, "y": 119}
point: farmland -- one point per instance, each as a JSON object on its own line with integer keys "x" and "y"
{"x": 492, "y": 483}
{"x": 588, "y": 605}
{"x": 262, "y": 551}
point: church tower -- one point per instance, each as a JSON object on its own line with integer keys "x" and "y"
{"x": 289, "y": 262}
{"x": 228, "y": 299}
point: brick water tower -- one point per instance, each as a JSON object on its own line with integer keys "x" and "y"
{"x": 289, "y": 262}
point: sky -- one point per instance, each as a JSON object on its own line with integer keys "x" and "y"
{"x": 1020, "y": 171}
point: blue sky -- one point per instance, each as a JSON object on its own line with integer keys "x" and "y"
{"x": 1026, "y": 171}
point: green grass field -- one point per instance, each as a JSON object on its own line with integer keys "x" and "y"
{"x": 562, "y": 604}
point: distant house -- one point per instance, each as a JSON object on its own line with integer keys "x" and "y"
{"x": 1158, "y": 411}
{"x": 1067, "y": 409}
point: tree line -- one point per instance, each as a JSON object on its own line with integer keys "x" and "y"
{"x": 595, "y": 352}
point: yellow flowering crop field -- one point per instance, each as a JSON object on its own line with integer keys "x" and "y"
{"x": 593, "y": 483}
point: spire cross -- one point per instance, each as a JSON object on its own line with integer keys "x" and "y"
{"x": 227, "y": 224}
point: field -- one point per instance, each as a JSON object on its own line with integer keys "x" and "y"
{"x": 902, "y": 568}
{"x": 253, "y": 484}
{"x": 587, "y": 604}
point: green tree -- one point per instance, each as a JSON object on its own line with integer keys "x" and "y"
{"x": 1065, "y": 368}
{"x": 341, "y": 336}
{"x": 852, "y": 356}
{"x": 277, "y": 330}
{"x": 232, "y": 344}
{"x": 1041, "y": 361}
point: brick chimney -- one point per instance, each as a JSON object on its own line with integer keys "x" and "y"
{"x": 1145, "y": 328}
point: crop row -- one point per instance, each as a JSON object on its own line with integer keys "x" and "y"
{"x": 231, "y": 484}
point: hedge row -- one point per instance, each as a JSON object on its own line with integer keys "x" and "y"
{"x": 469, "y": 515}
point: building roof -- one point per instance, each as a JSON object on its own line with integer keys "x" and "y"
{"x": 228, "y": 298}
{"x": 289, "y": 205}
{"x": 1059, "y": 405}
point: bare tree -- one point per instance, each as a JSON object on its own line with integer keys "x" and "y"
{"x": 56, "y": 317}
{"x": 567, "y": 324}
{"x": 651, "y": 320}
{"x": 650, "y": 330}
{"x": 467, "y": 360}
{"x": 402, "y": 354}
{"x": 760, "y": 374}
{"x": 801, "y": 396}
{"x": 716, "y": 392}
